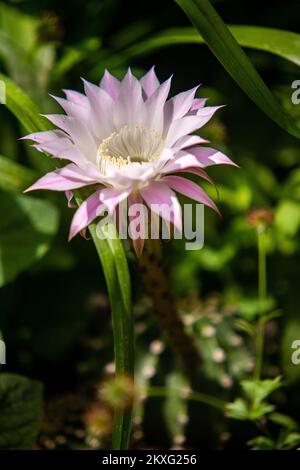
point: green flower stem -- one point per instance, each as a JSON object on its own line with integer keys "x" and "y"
{"x": 113, "y": 260}
{"x": 189, "y": 395}
{"x": 262, "y": 296}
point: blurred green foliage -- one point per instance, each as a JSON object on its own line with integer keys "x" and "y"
{"x": 53, "y": 310}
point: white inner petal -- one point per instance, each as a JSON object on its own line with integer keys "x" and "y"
{"x": 136, "y": 144}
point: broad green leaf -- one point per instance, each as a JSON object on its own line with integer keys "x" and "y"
{"x": 21, "y": 409}
{"x": 284, "y": 44}
{"x": 222, "y": 43}
{"x": 13, "y": 176}
{"x": 27, "y": 226}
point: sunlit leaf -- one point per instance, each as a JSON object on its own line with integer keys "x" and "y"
{"x": 222, "y": 43}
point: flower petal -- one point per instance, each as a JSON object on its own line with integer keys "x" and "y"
{"x": 86, "y": 213}
{"x": 182, "y": 102}
{"x": 182, "y": 127}
{"x": 149, "y": 82}
{"x": 79, "y": 133}
{"x": 111, "y": 197}
{"x": 110, "y": 84}
{"x": 163, "y": 201}
{"x": 73, "y": 109}
{"x": 129, "y": 107}
{"x": 64, "y": 179}
{"x": 180, "y": 162}
{"x": 155, "y": 106}
{"x": 190, "y": 189}
{"x": 188, "y": 141}
{"x": 76, "y": 97}
{"x": 207, "y": 156}
{"x": 137, "y": 243}
{"x": 198, "y": 103}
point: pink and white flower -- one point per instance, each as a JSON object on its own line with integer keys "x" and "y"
{"x": 127, "y": 140}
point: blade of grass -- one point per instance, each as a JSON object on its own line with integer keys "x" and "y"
{"x": 222, "y": 43}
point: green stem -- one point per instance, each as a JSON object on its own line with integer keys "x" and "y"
{"x": 262, "y": 296}
{"x": 111, "y": 254}
{"x": 191, "y": 395}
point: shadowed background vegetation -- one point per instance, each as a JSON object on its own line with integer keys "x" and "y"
{"x": 54, "y": 311}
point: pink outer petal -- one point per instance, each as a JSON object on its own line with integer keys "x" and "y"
{"x": 198, "y": 172}
{"x": 182, "y": 103}
{"x": 190, "y": 189}
{"x": 160, "y": 194}
{"x": 46, "y": 136}
{"x": 111, "y": 197}
{"x": 58, "y": 144}
{"x": 101, "y": 110}
{"x": 198, "y": 103}
{"x": 78, "y": 131}
{"x": 179, "y": 163}
{"x": 129, "y": 107}
{"x": 69, "y": 195}
{"x": 149, "y": 82}
{"x": 86, "y": 213}
{"x": 110, "y": 84}
{"x": 73, "y": 109}
{"x": 65, "y": 179}
{"x": 76, "y": 97}
{"x": 188, "y": 141}
{"x": 155, "y": 106}
{"x": 207, "y": 156}
{"x": 188, "y": 124}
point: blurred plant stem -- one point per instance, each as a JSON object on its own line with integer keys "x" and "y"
{"x": 157, "y": 286}
{"x": 262, "y": 297}
{"x": 188, "y": 395}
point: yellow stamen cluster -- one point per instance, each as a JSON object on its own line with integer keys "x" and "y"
{"x": 137, "y": 144}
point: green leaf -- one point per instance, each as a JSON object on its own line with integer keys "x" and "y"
{"x": 21, "y": 409}
{"x": 261, "y": 443}
{"x": 258, "y": 390}
{"x": 15, "y": 177}
{"x": 222, "y": 43}
{"x": 283, "y": 420}
{"x": 284, "y": 44}
{"x": 238, "y": 409}
{"x": 287, "y": 217}
{"x": 22, "y": 106}
{"x": 27, "y": 226}
{"x": 290, "y": 441}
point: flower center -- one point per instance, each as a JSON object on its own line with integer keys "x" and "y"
{"x": 136, "y": 144}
